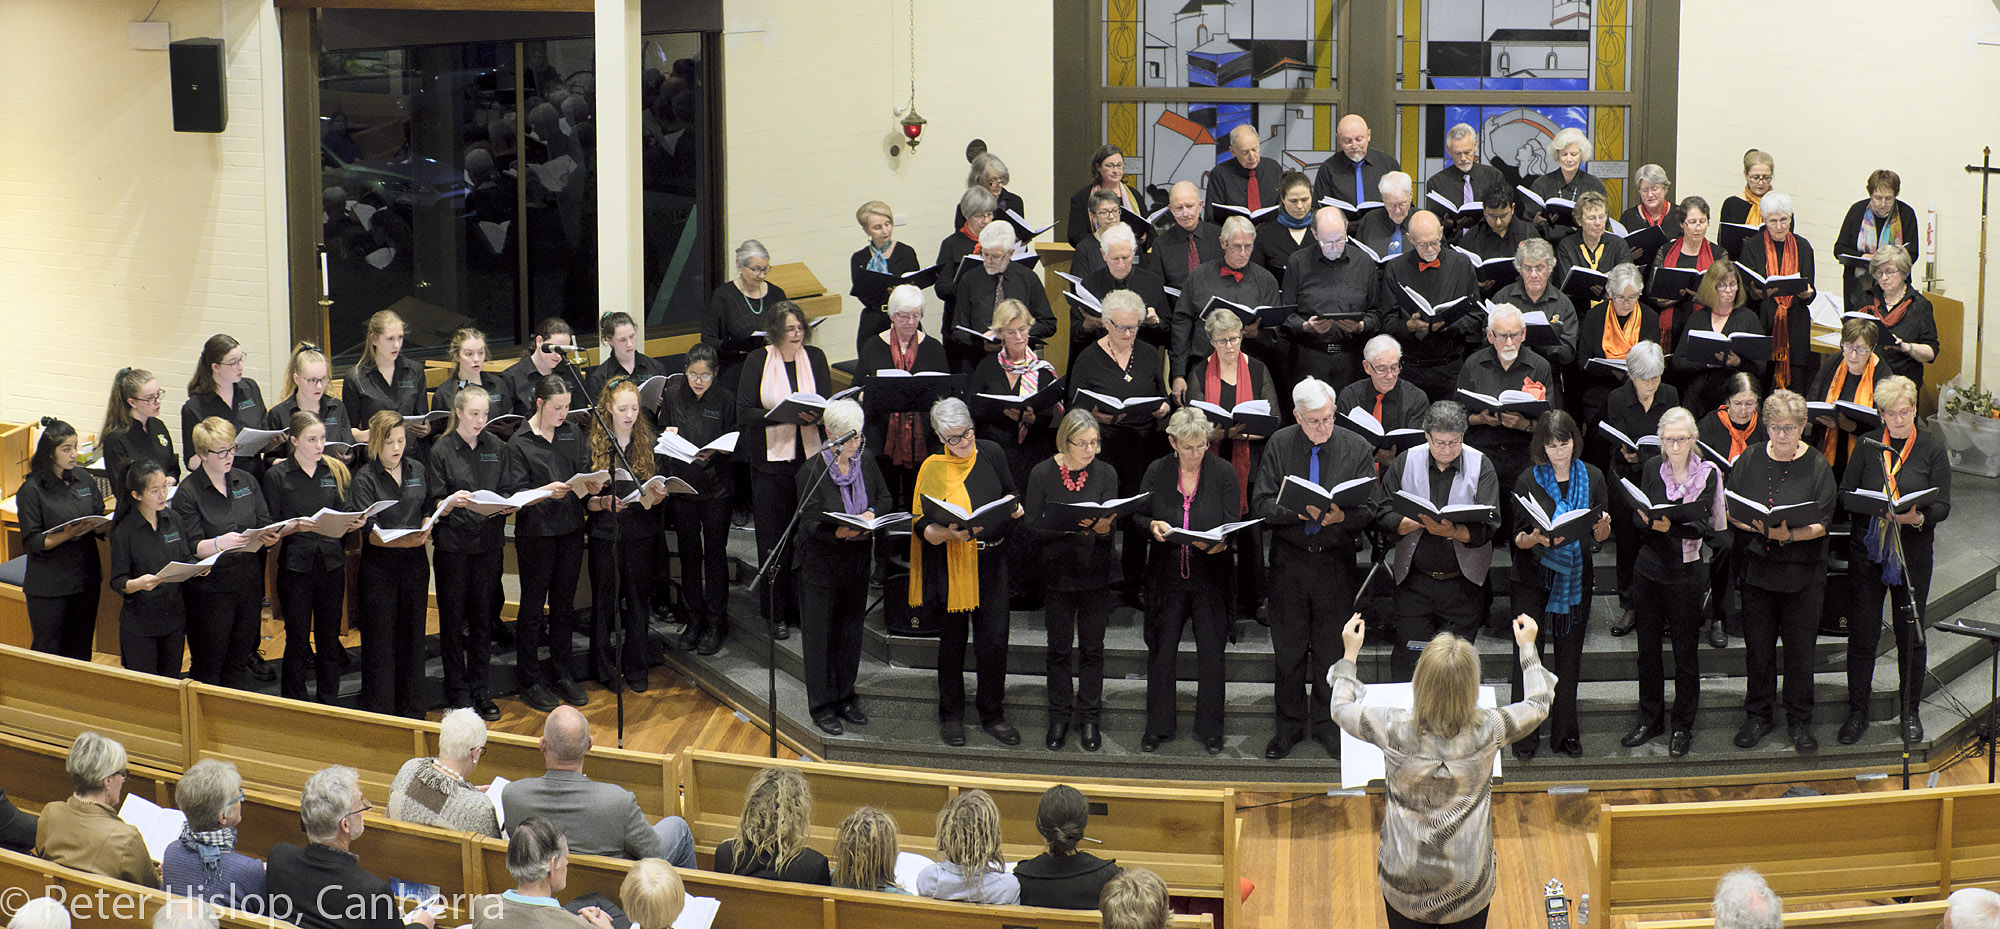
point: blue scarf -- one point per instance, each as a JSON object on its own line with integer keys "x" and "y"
{"x": 1285, "y": 219}
{"x": 1567, "y": 563}
{"x": 878, "y": 262}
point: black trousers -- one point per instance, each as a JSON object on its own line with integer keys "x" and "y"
{"x": 312, "y": 601}
{"x": 774, "y": 494}
{"x": 702, "y": 527}
{"x": 1426, "y": 606}
{"x": 152, "y": 654}
{"x": 224, "y": 612}
{"x": 1246, "y": 582}
{"x": 63, "y": 625}
{"x": 1725, "y": 579}
{"x": 635, "y": 608}
{"x": 1908, "y": 603}
{"x": 1626, "y": 537}
{"x": 1771, "y": 617}
{"x": 1529, "y": 589}
{"x": 1167, "y": 613}
{"x": 832, "y": 601}
{"x": 987, "y": 624}
{"x": 1399, "y": 921}
{"x": 1341, "y": 367}
{"x": 394, "y": 583}
{"x": 1668, "y": 612}
{"x": 1438, "y": 381}
{"x": 467, "y": 612}
{"x": 1075, "y": 617}
{"x": 1311, "y": 596}
{"x": 550, "y": 566}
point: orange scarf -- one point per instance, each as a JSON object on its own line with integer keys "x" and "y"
{"x": 1756, "y": 215}
{"x": 1239, "y": 449}
{"x": 1738, "y": 439}
{"x": 1780, "y": 262}
{"x": 1864, "y": 394}
{"x": 1620, "y": 337}
{"x": 943, "y": 476}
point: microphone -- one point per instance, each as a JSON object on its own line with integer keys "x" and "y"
{"x": 843, "y": 440}
{"x": 552, "y": 349}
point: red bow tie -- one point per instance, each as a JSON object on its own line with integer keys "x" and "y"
{"x": 1427, "y": 265}
{"x": 1231, "y": 273}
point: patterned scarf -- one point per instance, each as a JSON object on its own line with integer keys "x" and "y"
{"x": 943, "y": 476}
{"x": 878, "y": 261}
{"x": 212, "y": 846}
{"x": 1864, "y": 394}
{"x": 1875, "y": 235}
{"x": 1884, "y": 540}
{"x": 1028, "y": 370}
{"x": 1239, "y": 449}
{"x": 1699, "y": 469}
{"x": 905, "y": 433}
{"x": 1781, "y": 261}
{"x": 1567, "y": 563}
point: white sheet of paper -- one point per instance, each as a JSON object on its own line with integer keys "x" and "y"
{"x": 160, "y": 827}
{"x": 908, "y": 866}
{"x": 697, "y": 913}
{"x": 493, "y": 792}
{"x": 1361, "y": 762}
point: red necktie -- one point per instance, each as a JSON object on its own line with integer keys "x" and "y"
{"x": 1427, "y": 265}
{"x": 1232, "y": 274}
{"x": 1194, "y": 254}
{"x": 1378, "y": 410}
{"x": 1256, "y": 202}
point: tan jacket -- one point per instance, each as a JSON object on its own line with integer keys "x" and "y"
{"x": 89, "y": 836}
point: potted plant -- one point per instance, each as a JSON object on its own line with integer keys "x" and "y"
{"x": 1970, "y": 423}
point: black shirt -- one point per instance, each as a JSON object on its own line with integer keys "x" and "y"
{"x": 1274, "y": 245}
{"x": 1454, "y": 277}
{"x": 976, "y": 303}
{"x": 519, "y": 382}
{"x": 290, "y": 493}
{"x": 1071, "y": 559}
{"x": 1623, "y": 412}
{"x": 1562, "y": 315}
{"x": 901, "y": 259}
{"x": 1926, "y": 466}
{"x": 462, "y": 467}
{"x": 1435, "y": 553}
{"x": 532, "y": 461}
{"x": 1095, "y": 371}
{"x": 1660, "y": 552}
{"x": 636, "y": 521}
{"x": 821, "y": 553}
{"x": 1482, "y": 374}
{"x": 1215, "y": 502}
{"x": 416, "y": 494}
{"x": 1481, "y": 240}
{"x": 1786, "y": 567}
{"x": 1335, "y": 177}
{"x": 701, "y": 420}
{"x": 1229, "y": 182}
{"x": 1069, "y": 882}
{"x": 326, "y": 888}
{"x": 807, "y": 867}
{"x": 247, "y": 413}
{"x": 47, "y": 500}
{"x": 1169, "y": 257}
{"x": 139, "y": 548}
{"x": 643, "y": 369}
{"x": 148, "y": 442}
{"x": 206, "y": 513}
{"x": 499, "y": 400}
{"x": 1151, "y": 290}
{"x": 733, "y": 319}
{"x": 1797, "y": 320}
{"x": 332, "y": 414}
{"x": 883, "y": 398}
{"x": 752, "y": 447}
{"x": 1552, "y": 185}
{"x": 1350, "y": 283}
{"x": 1403, "y": 408}
{"x": 366, "y": 392}
{"x": 1379, "y": 232}
{"x": 1344, "y": 456}
{"x": 1190, "y": 337}
{"x": 1527, "y": 486}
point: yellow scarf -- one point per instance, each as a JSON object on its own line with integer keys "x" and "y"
{"x": 943, "y": 476}
{"x": 1864, "y": 394}
{"x": 1756, "y": 215}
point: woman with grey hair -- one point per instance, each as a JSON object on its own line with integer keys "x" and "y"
{"x": 204, "y": 863}
{"x": 1115, "y": 366}
{"x": 439, "y": 791}
{"x": 833, "y": 565}
{"x": 1609, "y": 332}
{"x": 1592, "y": 246}
{"x": 1535, "y": 261}
{"x": 538, "y": 861}
{"x": 1122, "y": 270}
{"x": 1104, "y": 213}
{"x": 1185, "y": 581}
{"x": 976, "y": 211}
{"x": 1227, "y": 378}
{"x": 737, "y": 309}
{"x": 1570, "y": 148}
{"x": 1634, "y": 409}
{"x": 959, "y": 573}
{"x": 84, "y": 831}
{"x": 898, "y": 440}
{"x": 1744, "y": 901}
{"x": 1779, "y": 249}
{"x": 1655, "y": 211}
{"x": 988, "y": 173}
{"x": 1669, "y": 577}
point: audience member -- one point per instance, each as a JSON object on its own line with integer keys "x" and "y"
{"x": 84, "y": 831}
{"x": 17, "y": 827}
{"x": 1744, "y": 901}
{"x": 1135, "y": 899}
{"x": 538, "y": 861}
{"x": 40, "y": 913}
{"x": 1063, "y": 878}
{"x": 323, "y": 885}
{"x": 1968, "y": 908}
{"x": 438, "y": 791}
{"x": 652, "y": 894}
{"x": 204, "y": 863}
{"x": 770, "y": 839}
{"x": 597, "y": 818}
{"x": 968, "y": 836}
{"x": 185, "y": 913}
{"x": 864, "y": 856}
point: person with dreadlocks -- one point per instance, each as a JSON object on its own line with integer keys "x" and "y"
{"x": 864, "y": 856}
{"x": 968, "y": 838}
{"x": 770, "y": 840}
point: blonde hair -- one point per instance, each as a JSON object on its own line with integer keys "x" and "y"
{"x": 1893, "y": 388}
{"x": 1074, "y": 422}
{"x": 303, "y": 354}
{"x": 459, "y": 337}
{"x": 1592, "y": 200}
{"x": 777, "y": 809}
{"x": 377, "y": 324}
{"x": 1446, "y": 686}
{"x": 213, "y": 432}
{"x": 641, "y": 451}
{"x": 968, "y": 833}
{"x": 1753, "y": 158}
{"x": 1134, "y": 898}
{"x": 864, "y": 857}
{"x": 1784, "y": 405}
{"x": 125, "y": 386}
{"x": 1188, "y": 424}
{"x": 458, "y": 402}
{"x": 1221, "y": 321}
{"x": 301, "y": 421}
{"x": 873, "y": 208}
{"x": 1008, "y": 311}
{"x": 380, "y": 427}
{"x": 652, "y": 893}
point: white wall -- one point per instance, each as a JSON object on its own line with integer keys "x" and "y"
{"x": 122, "y": 242}
{"x": 810, "y": 90}
{"x": 1845, "y": 87}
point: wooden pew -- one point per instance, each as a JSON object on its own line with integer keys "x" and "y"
{"x": 1973, "y": 856}
{"x": 387, "y": 848}
{"x": 96, "y": 902}
{"x": 1923, "y": 915}
{"x": 752, "y": 902}
{"x": 649, "y": 776}
{"x": 1186, "y": 835}
{"x": 53, "y": 700}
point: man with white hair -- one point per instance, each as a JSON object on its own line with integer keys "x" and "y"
{"x": 1465, "y": 181}
{"x": 40, "y": 913}
{"x": 598, "y": 818}
{"x": 1506, "y": 363}
{"x": 1233, "y": 277}
{"x": 1387, "y": 229}
{"x": 1354, "y": 173}
{"x": 323, "y": 886}
{"x": 1383, "y": 393}
{"x": 1326, "y": 280}
{"x": 1189, "y": 243}
{"x": 1432, "y": 350}
{"x": 1971, "y": 908}
{"x": 982, "y": 287}
{"x": 1247, "y": 179}
{"x": 1744, "y": 901}
{"x": 186, "y": 913}
{"x": 1311, "y": 579}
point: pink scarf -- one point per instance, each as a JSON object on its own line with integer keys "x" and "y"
{"x": 1699, "y": 470}
{"x": 1028, "y": 370}
{"x": 781, "y": 441}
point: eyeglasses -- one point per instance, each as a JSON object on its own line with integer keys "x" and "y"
{"x": 1238, "y": 246}
{"x": 154, "y": 397}
{"x": 1086, "y": 443}
{"x": 701, "y": 377}
{"x": 1515, "y": 336}
{"x": 1676, "y": 440}
{"x": 226, "y": 452}
{"x": 1316, "y": 422}
{"x": 237, "y": 363}
{"x": 1783, "y": 428}
{"x": 1227, "y": 340}
{"x": 1442, "y": 444}
{"x": 1625, "y": 299}
{"x": 1394, "y": 367}
{"x": 365, "y": 808}
{"x": 1902, "y": 413}
{"x": 1855, "y": 349}
{"x": 1121, "y": 330}
{"x": 958, "y": 439}
{"x": 1758, "y": 177}
{"x": 316, "y": 381}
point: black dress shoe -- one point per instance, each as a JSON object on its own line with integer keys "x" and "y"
{"x": 1278, "y": 748}
{"x": 1679, "y": 743}
{"x": 1091, "y": 739}
{"x": 1913, "y": 728}
{"x": 1002, "y": 730}
{"x": 1572, "y": 747}
{"x": 1213, "y": 744}
{"x": 1753, "y": 732}
{"x": 612, "y": 682}
{"x": 487, "y": 709}
{"x": 952, "y": 732}
{"x": 1624, "y": 623}
{"x": 1329, "y": 742}
{"x": 1803, "y": 739}
{"x": 829, "y": 724}
{"x": 1058, "y": 736}
{"x": 1852, "y": 730}
{"x": 540, "y": 697}
{"x": 851, "y": 712}
{"x": 638, "y": 682}
{"x": 690, "y": 637}
{"x": 1149, "y": 743}
{"x": 711, "y": 642}
{"x": 1718, "y": 637}
{"x": 570, "y": 692}
{"x": 261, "y": 669}
{"x": 1641, "y": 734}
{"x": 781, "y": 631}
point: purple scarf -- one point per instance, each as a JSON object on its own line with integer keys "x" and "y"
{"x": 1686, "y": 492}
{"x": 853, "y": 493}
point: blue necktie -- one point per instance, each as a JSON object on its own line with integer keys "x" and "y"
{"x": 1312, "y": 474}
{"x": 1396, "y": 243}
{"x": 1360, "y": 185}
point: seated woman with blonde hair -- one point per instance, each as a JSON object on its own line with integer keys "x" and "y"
{"x": 864, "y": 856}
{"x": 652, "y": 894}
{"x": 770, "y": 839}
{"x": 968, "y": 836}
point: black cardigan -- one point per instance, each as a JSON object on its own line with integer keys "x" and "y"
{"x": 1072, "y": 559}
{"x": 1215, "y": 503}
{"x": 1927, "y": 466}
{"x": 821, "y": 553}
{"x": 1788, "y": 567}
{"x": 750, "y": 408}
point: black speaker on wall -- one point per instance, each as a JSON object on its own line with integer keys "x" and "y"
{"x": 201, "y": 96}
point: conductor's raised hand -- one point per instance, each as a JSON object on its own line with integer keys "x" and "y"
{"x": 1525, "y": 630}
{"x": 1353, "y": 634}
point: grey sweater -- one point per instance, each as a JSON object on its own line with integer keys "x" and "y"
{"x": 424, "y": 792}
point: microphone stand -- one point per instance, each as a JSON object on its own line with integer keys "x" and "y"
{"x": 617, "y": 545}
{"x": 777, "y": 560}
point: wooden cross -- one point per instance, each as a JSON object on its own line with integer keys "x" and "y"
{"x": 1985, "y": 170}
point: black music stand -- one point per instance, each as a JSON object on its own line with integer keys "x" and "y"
{"x": 1991, "y": 633}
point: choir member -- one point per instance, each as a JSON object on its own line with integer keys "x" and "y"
{"x": 1726, "y": 432}
{"x": 1691, "y": 251}
{"x": 1121, "y": 271}
{"x": 1187, "y": 244}
{"x": 976, "y": 205}
{"x": 386, "y": 379}
{"x": 624, "y": 535}
{"x": 1289, "y": 228}
{"x": 1385, "y": 230}
{"x": 1759, "y": 171}
{"x": 1072, "y": 560}
{"x": 62, "y": 573}
{"x": 312, "y": 566}
{"x": 1909, "y": 330}
{"x": 1312, "y": 561}
{"x": 543, "y": 359}
{"x": 223, "y": 506}
{"x": 1669, "y": 578}
{"x": 1440, "y": 566}
{"x": 1535, "y": 261}
{"x": 957, "y": 574}
{"x": 1851, "y": 377}
{"x": 776, "y": 450}
{"x": 394, "y": 574}
{"x": 833, "y": 567}
{"x": 1107, "y": 175}
{"x": 1115, "y": 367}
{"x": 1719, "y": 308}
{"x": 1784, "y": 569}
{"x": 1232, "y": 277}
{"x": 152, "y": 622}
{"x": 1024, "y": 436}
{"x": 1568, "y": 181}
{"x": 1506, "y": 363}
{"x": 736, "y": 309}
{"x": 1433, "y": 353}
{"x": 1105, "y": 212}
{"x": 1499, "y": 234}
{"x": 1552, "y": 577}
{"x": 1654, "y": 210}
{"x": 133, "y": 431}
{"x": 1188, "y": 489}
{"x": 307, "y": 376}
{"x": 1229, "y": 377}
{"x": 1778, "y": 249}
{"x": 1609, "y": 332}
{"x": 1881, "y": 223}
{"x": 882, "y": 255}
{"x": 619, "y": 335}
{"x": 1893, "y": 554}
{"x": 1634, "y": 408}
{"x": 698, "y": 409}
{"x": 1592, "y": 247}
{"x": 1323, "y": 280}
{"x": 981, "y": 290}
{"x": 548, "y": 544}
{"x": 987, "y": 172}
{"x": 1355, "y": 174}
{"x": 220, "y": 389}
{"x": 1382, "y": 393}
{"x": 897, "y": 437}
{"x": 1247, "y": 179}
{"x": 468, "y": 371}
{"x": 1464, "y": 180}
{"x": 471, "y": 549}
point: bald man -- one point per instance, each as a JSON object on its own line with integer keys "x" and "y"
{"x": 597, "y": 818}
{"x": 1189, "y": 242}
{"x": 1355, "y": 173}
{"x": 1247, "y": 179}
{"x": 1432, "y": 353}
{"x": 1339, "y": 295}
